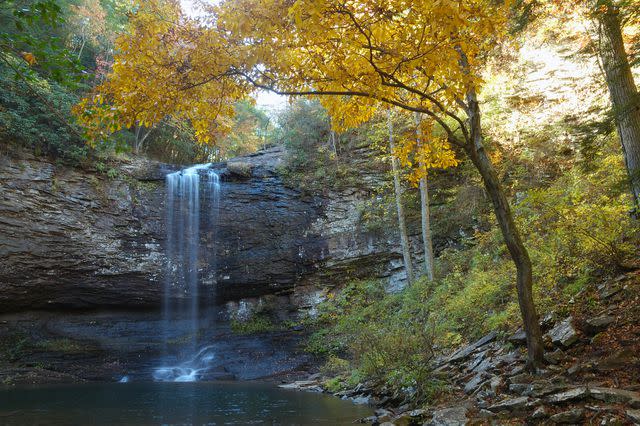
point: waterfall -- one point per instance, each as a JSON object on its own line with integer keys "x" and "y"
{"x": 182, "y": 300}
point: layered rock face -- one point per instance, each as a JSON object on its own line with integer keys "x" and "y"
{"x": 78, "y": 239}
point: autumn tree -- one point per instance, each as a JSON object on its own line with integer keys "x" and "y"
{"x": 166, "y": 66}
{"x": 422, "y": 56}
{"x": 248, "y": 131}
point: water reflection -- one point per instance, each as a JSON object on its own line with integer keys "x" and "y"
{"x": 171, "y": 404}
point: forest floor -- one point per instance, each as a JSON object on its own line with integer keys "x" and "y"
{"x": 592, "y": 374}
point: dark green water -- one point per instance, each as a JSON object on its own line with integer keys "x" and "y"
{"x": 172, "y": 404}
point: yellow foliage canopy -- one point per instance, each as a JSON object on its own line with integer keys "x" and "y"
{"x": 166, "y": 65}
{"x": 353, "y": 55}
{"x": 423, "y": 151}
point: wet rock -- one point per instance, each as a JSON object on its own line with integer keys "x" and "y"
{"x": 616, "y": 396}
{"x": 361, "y": 400}
{"x": 634, "y": 416}
{"x": 383, "y": 415}
{"x": 595, "y": 325}
{"x": 454, "y": 416}
{"x": 568, "y": 417}
{"x": 468, "y": 350}
{"x": 301, "y": 384}
{"x": 564, "y": 333}
{"x": 408, "y": 418}
{"x": 513, "y": 404}
{"x": 574, "y": 394}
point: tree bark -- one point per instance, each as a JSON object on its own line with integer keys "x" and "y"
{"x": 402, "y": 225}
{"x": 425, "y": 211}
{"x": 623, "y": 92}
{"x": 524, "y": 281}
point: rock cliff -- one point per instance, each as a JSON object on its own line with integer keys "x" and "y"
{"x": 84, "y": 239}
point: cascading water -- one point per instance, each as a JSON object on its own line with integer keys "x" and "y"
{"x": 181, "y": 303}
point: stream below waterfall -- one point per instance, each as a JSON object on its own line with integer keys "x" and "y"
{"x": 150, "y": 403}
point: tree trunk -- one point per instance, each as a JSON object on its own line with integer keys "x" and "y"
{"x": 140, "y": 137}
{"x": 524, "y": 283}
{"x": 623, "y": 92}
{"x": 84, "y": 41}
{"x": 136, "y": 142}
{"x": 332, "y": 141}
{"x": 402, "y": 225}
{"x": 425, "y": 212}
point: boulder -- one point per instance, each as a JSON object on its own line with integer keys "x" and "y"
{"x": 239, "y": 168}
{"x": 616, "y": 396}
{"x": 622, "y": 359}
{"x": 521, "y": 389}
{"x": 453, "y": 416}
{"x": 555, "y": 357}
{"x": 511, "y": 404}
{"x": 474, "y": 383}
{"x": 518, "y": 338}
{"x": 570, "y": 395}
{"x": 540, "y": 413}
{"x": 609, "y": 289}
{"x": 568, "y": 417}
{"x": 464, "y": 352}
{"x": 634, "y": 416}
{"x": 564, "y": 334}
{"x": 595, "y": 325}
{"x": 496, "y": 383}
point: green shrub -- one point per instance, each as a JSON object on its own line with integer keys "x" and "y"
{"x": 388, "y": 337}
{"x": 254, "y": 325}
{"x": 29, "y": 121}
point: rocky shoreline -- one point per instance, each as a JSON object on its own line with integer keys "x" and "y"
{"x": 591, "y": 377}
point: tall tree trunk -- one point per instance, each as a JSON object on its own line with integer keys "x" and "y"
{"x": 623, "y": 92}
{"x": 524, "y": 282}
{"x": 425, "y": 211}
{"x": 84, "y": 41}
{"x": 402, "y": 225}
